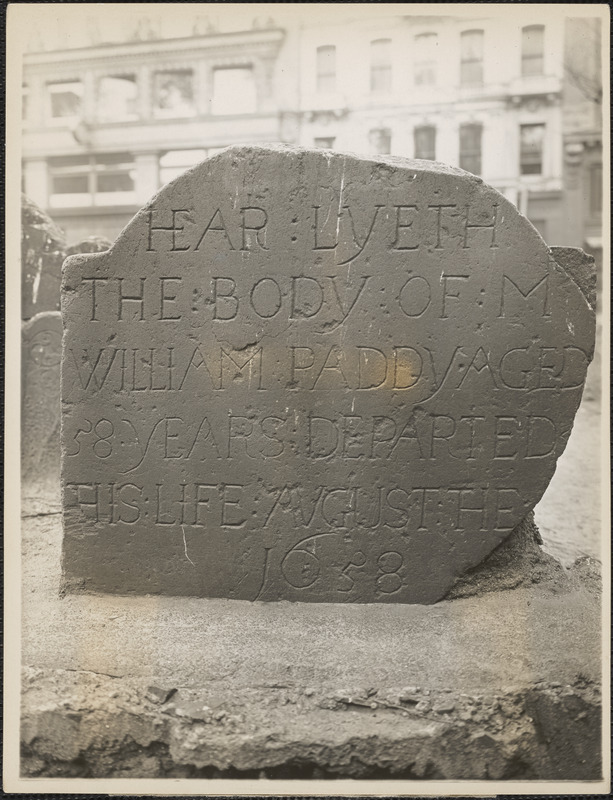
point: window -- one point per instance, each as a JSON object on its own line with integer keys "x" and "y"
{"x": 532, "y": 39}
{"x": 173, "y": 93}
{"x": 381, "y": 66}
{"x": 470, "y": 147}
{"x": 233, "y": 91}
{"x": 326, "y": 68}
{"x": 25, "y": 98}
{"x": 65, "y": 100}
{"x": 425, "y": 142}
{"x": 103, "y": 179}
{"x": 471, "y": 58}
{"x": 424, "y": 69}
{"x": 596, "y": 188}
{"x": 326, "y": 142}
{"x": 113, "y": 172}
{"x": 531, "y": 139}
{"x": 69, "y": 175}
{"x": 174, "y": 162}
{"x": 117, "y": 96}
{"x": 380, "y": 141}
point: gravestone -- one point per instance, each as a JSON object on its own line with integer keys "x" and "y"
{"x": 41, "y": 350}
{"x": 42, "y": 252}
{"x": 91, "y": 244}
{"x": 312, "y": 376}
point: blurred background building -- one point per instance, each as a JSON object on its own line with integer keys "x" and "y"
{"x": 111, "y": 112}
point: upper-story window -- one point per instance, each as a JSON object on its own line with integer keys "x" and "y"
{"x": 326, "y": 68}
{"x": 381, "y": 66}
{"x": 234, "y": 91}
{"x": 380, "y": 141}
{"x": 174, "y": 162}
{"x": 531, "y": 140}
{"x": 101, "y": 179}
{"x": 471, "y": 58}
{"x": 117, "y": 96}
{"x": 470, "y": 147}
{"x": 596, "y": 188}
{"x": 424, "y": 69}
{"x": 25, "y": 98}
{"x": 425, "y": 142}
{"x": 532, "y": 50}
{"x": 65, "y": 100}
{"x": 173, "y": 93}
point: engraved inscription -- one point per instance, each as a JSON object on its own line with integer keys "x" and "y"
{"x": 344, "y": 380}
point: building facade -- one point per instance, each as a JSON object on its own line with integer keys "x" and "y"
{"x": 106, "y": 124}
{"x": 476, "y": 93}
{"x": 582, "y": 136}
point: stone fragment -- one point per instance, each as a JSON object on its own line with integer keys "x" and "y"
{"x": 329, "y": 704}
{"x": 41, "y": 349}
{"x": 92, "y": 244}
{"x": 312, "y": 376}
{"x": 445, "y": 706}
{"x": 158, "y": 695}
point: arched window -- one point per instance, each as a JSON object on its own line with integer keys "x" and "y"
{"x": 532, "y": 49}
{"x": 381, "y": 66}
{"x": 380, "y": 141}
{"x": 471, "y": 58}
{"x": 470, "y": 147}
{"x": 596, "y": 188}
{"x": 531, "y": 140}
{"x": 326, "y": 68}
{"x": 425, "y": 142}
{"x": 424, "y": 67}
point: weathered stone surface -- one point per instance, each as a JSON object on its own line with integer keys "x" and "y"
{"x": 40, "y": 398}
{"x": 312, "y": 376}
{"x": 43, "y": 247}
{"x": 581, "y": 267}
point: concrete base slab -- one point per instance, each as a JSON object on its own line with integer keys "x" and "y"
{"x": 498, "y": 686}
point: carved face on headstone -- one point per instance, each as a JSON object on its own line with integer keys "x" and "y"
{"x": 313, "y": 376}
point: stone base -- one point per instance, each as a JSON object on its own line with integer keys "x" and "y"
{"x": 502, "y": 684}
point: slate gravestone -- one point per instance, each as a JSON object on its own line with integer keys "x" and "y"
{"x": 41, "y": 353}
{"x": 312, "y": 376}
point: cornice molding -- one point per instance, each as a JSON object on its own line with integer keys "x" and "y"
{"x": 257, "y": 42}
